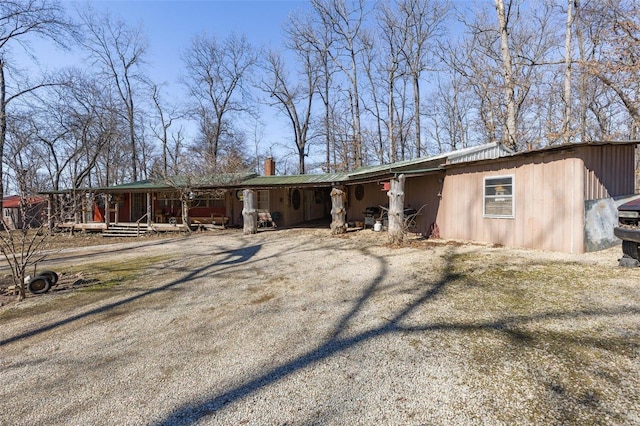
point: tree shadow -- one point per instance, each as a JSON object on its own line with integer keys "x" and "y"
{"x": 339, "y": 341}
{"x": 232, "y": 257}
{"x": 336, "y": 343}
{"x": 51, "y": 256}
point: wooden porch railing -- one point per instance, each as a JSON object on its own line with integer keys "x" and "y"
{"x": 138, "y": 224}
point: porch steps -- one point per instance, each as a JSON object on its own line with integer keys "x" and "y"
{"x": 124, "y": 230}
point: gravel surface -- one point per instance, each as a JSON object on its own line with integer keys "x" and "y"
{"x": 296, "y": 327}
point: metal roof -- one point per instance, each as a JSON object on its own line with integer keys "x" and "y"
{"x": 199, "y": 182}
{"x": 489, "y": 151}
{"x": 296, "y": 180}
{"x": 422, "y": 165}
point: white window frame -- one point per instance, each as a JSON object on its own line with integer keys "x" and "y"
{"x": 485, "y": 196}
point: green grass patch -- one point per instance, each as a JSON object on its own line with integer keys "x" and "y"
{"x": 110, "y": 274}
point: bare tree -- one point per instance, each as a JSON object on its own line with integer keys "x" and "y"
{"x": 345, "y": 20}
{"x": 509, "y": 59}
{"x": 73, "y": 126}
{"x": 375, "y": 106}
{"x": 511, "y": 134}
{"x": 394, "y": 35}
{"x": 18, "y": 21}
{"x": 293, "y": 99}
{"x": 21, "y": 244}
{"x": 450, "y": 114}
{"x": 423, "y": 23}
{"x": 306, "y": 29}
{"x": 118, "y": 50}
{"x": 568, "y": 61}
{"x": 216, "y": 77}
{"x": 614, "y": 60}
{"x": 165, "y": 118}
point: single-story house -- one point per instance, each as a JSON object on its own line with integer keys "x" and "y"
{"x": 560, "y": 198}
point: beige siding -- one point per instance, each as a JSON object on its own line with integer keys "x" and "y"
{"x": 281, "y": 202}
{"x": 374, "y": 196}
{"x": 421, "y": 191}
{"x": 548, "y": 212}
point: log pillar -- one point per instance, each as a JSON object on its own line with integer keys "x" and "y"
{"x": 338, "y": 211}
{"x": 396, "y": 209}
{"x": 249, "y": 213}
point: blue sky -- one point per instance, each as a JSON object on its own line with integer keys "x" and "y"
{"x": 169, "y": 26}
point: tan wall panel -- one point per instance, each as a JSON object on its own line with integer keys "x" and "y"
{"x": 549, "y": 210}
{"x": 291, "y": 215}
{"x": 423, "y": 191}
{"x": 373, "y": 196}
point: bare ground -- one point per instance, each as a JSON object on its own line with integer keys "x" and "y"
{"x": 297, "y": 327}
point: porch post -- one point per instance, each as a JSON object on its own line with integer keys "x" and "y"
{"x": 107, "y": 208}
{"x": 338, "y": 212}
{"x": 148, "y": 209}
{"x": 249, "y": 213}
{"x": 50, "y": 212}
{"x": 396, "y": 209}
{"x": 75, "y": 208}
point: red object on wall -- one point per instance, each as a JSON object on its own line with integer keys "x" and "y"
{"x": 385, "y": 186}
{"x": 97, "y": 214}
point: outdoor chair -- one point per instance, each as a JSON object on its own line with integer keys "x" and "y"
{"x": 265, "y": 220}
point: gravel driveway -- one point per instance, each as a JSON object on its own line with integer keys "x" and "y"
{"x": 295, "y": 327}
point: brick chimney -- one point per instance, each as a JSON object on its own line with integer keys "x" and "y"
{"x": 269, "y": 167}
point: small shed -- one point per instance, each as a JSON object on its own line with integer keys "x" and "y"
{"x": 561, "y": 198}
{"x": 19, "y": 212}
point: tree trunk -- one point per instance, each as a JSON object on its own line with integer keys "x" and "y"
{"x": 338, "y": 212}
{"x": 393, "y": 150}
{"x": 568, "y": 59}
{"x": 186, "y": 220}
{"x": 509, "y": 84}
{"x": 396, "y": 210}
{"x": 416, "y": 113}
{"x": 249, "y": 213}
{"x": 3, "y": 126}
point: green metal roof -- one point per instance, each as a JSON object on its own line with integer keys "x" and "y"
{"x": 210, "y": 181}
{"x": 296, "y": 180}
{"x": 420, "y": 165}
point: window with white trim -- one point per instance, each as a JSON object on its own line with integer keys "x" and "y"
{"x": 498, "y": 196}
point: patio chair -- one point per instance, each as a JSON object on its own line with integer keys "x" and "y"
{"x": 265, "y": 220}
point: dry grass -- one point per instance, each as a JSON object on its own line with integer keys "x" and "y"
{"x": 447, "y": 332}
